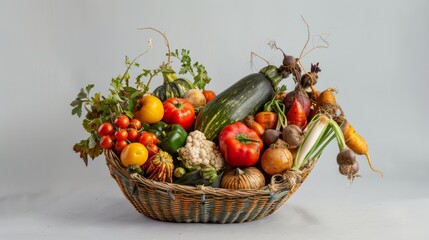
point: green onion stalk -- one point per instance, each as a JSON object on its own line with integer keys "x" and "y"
{"x": 318, "y": 134}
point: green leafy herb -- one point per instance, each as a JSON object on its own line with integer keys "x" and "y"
{"x": 99, "y": 109}
{"x": 196, "y": 70}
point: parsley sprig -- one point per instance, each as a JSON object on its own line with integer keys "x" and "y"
{"x": 196, "y": 70}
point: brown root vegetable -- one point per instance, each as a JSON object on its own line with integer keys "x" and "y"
{"x": 292, "y": 135}
{"x": 271, "y": 136}
{"x": 349, "y": 170}
{"x": 346, "y": 157}
{"x": 310, "y": 79}
{"x": 277, "y": 158}
{"x": 290, "y": 64}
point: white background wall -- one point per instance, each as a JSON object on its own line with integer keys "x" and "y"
{"x": 377, "y": 59}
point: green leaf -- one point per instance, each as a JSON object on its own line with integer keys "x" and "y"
{"x": 116, "y": 84}
{"x": 92, "y": 141}
{"x": 130, "y": 114}
{"x": 88, "y": 88}
{"x": 76, "y": 102}
{"x": 82, "y": 94}
{"x": 127, "y": 60}
{"x": 77, "y": 107}
{"x": 92, "y": 125}
{"x": 81, "y": 148}
{"x": 146, "y": 72}
{"x": 95, "y": 151}
{"x": 77, "y": 110}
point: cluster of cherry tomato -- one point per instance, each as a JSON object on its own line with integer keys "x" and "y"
{"x": 124, "y": 131}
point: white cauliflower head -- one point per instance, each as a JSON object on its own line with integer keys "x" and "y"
{"x": 198, "y": 152}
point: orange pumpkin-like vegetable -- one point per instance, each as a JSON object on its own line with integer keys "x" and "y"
{"x": 246, "y": 178}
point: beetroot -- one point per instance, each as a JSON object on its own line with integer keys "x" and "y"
{"x": 301, "y": 97}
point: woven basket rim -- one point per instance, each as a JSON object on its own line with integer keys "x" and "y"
{"x": 279, "y": 183}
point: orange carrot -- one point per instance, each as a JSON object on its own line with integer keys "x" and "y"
{"x": 356, "y": 142}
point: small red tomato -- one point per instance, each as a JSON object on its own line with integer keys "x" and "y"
{"x": 119, "y": 145}
{"x": 121, "y": 134}
{"x": 105, "y": 129}
{"x": 133, "y": 134}
{"x": 106, "y": 142}
{"x": 152, "y": 149}
{"x": 179, "y": 111}
{"x": 209, "y": 95}
{"x": 147, "y": 138}
{"x": 122, "y": 121}
{"x": 135, "y": 123}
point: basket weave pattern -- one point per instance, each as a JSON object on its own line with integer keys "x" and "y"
{"x": 201, "y": 204}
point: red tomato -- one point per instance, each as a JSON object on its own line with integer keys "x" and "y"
{"x": 119, "y": 145}
{"x": 105, "y": 129}
{"x": 179, "y": 111}
{"x": 147, "y": 138}
{"x": 152, "y": 149}
{"x": 122, "y": 121}
{"x": 209, "y": 95}
{"x": 106, "y": 142}
{"x": 133, "y": 134}
{"x": 135, "y": 123}
{"x": 121, "y": 134}
{"x": 240, "y": 145}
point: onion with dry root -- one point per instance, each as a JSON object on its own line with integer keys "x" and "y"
{"x": 277, "y": 158}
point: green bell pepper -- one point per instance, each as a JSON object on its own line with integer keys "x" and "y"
{"x": 158, "y": 129}
{"x": 170, "y": 137}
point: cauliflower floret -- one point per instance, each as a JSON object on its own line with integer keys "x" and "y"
{"x": 199, "y": 152}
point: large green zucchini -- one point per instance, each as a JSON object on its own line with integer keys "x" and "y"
{"x": 243, "y": 98}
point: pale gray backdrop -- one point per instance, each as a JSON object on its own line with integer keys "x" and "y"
{"x": 377, "y": 59}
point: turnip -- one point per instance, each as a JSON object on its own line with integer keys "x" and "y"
{"x": 292, "y": 135}
{"x": 346, "y": 157}
{"x": 271, "y": 136}
{"x": 349, "y": 170}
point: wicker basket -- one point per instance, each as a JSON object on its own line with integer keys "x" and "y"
{"x": 201, "y": 204}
